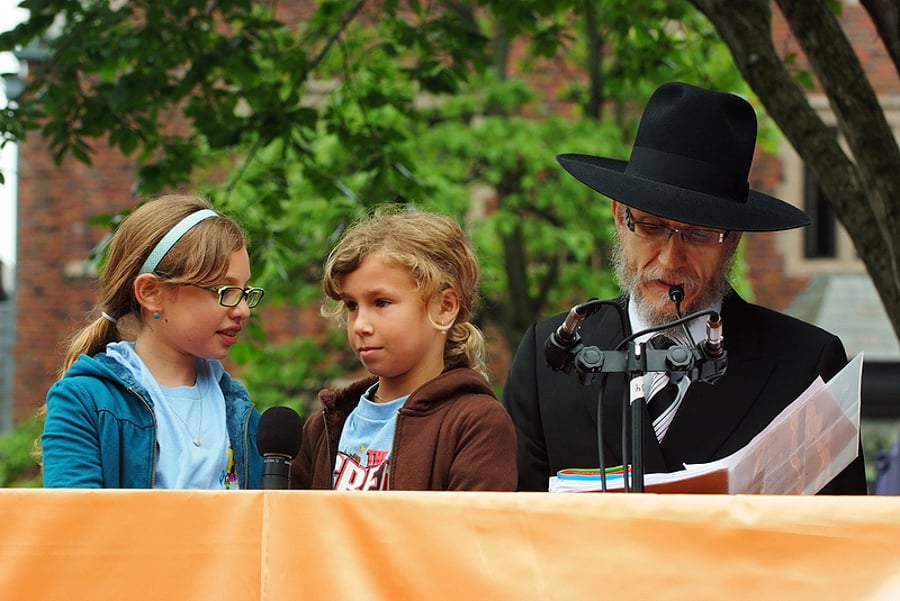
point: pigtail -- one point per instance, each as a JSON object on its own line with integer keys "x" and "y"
{"x": 466, "y": 347}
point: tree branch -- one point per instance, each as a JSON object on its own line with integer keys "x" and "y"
{"x": 885, "y": 15}
{"x": 863, "y": 194}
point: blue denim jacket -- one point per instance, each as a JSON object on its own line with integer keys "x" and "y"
{"x": 100, "y": 429}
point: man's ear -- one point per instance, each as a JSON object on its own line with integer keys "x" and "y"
{"x": 149, "y": 292}
{"x": 617, "y": 213}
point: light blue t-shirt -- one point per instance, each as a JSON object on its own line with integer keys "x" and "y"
{"x": 194, "y": 450}
{"x": 363, "y": 457}
{"x": 192, "y": 437}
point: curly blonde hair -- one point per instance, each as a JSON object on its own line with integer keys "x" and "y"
{"x": 435, "y": 250}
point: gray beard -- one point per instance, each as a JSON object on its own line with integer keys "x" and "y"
{"x": 708, "y": 292}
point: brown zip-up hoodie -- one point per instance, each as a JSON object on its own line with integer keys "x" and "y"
{"x": 452, "y": 434}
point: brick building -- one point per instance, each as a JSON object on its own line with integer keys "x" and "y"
{"x": 52, "y": 293}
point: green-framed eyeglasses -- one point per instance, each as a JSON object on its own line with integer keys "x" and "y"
{"x": 231, "y": 296}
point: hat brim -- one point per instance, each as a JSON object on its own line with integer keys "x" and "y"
{"x": 760, "y": 213}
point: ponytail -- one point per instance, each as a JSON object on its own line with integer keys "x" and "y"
{"x": 90, "y": 340}
{"x": 466, "y": 347}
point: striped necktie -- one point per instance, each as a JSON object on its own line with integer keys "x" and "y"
{"x": 666, "y": 392}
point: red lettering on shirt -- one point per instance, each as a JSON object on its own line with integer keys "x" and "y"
{"x": 349, "y": 474}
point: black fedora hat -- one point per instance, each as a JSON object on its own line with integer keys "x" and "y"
{"x": 690, "y": 162}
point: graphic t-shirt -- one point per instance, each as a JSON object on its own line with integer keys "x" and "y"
{"x": 363, "y": 457}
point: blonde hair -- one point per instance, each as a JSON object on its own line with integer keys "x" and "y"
{"x": 435, "y": 250}
{"x": 200, "y": 256}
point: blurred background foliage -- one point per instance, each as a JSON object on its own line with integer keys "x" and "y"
{"x": 298, "y": 123}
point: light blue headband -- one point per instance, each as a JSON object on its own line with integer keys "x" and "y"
{"x": 174, "y": 235}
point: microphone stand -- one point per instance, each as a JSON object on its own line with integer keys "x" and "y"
{"x": 704, "y": 363}
{"x": 636, "y": 363}
{"x": 637, "y": 399}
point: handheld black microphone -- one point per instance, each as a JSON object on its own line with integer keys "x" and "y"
{"x": 278, "y": 438}
{"x": 557, "y": 349}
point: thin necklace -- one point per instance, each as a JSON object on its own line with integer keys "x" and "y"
{"x": 379, "y": 398}
{"x": 195, "y": 437}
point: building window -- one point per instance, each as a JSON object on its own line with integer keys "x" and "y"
{"x": 820, "y": 236}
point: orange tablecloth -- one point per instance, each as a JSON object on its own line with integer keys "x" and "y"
{"x": 282, "y": 545}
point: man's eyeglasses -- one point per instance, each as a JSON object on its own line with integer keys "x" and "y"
{"x": 661, "y": 233}
{"x": 231, "y": 296}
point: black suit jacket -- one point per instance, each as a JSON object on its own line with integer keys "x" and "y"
{"x": 772, "y": 358}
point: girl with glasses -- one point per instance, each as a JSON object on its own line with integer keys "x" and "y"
{"x": 157, "y": 409}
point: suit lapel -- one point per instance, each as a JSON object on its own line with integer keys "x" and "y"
{"x": 605, "y": 329}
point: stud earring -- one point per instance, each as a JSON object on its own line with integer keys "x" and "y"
{"x": 156, "y": 315}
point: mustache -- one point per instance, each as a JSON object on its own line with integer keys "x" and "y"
{"x": 656, "y": 274}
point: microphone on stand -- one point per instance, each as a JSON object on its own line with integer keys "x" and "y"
{"x": 639, "y": 399}
{"x": 713, "y": 361}
{"x": 278, "y": 438}
{"x": 710, "y": 357}
{"x": 557, "y": 349}
{"x": 713, "y": 343}
{"x": 676, "y": 295}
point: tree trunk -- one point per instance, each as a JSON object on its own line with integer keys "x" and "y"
{"x": 865, "y": 193}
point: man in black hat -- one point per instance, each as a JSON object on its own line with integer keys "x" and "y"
{"x": 680, "y": 205}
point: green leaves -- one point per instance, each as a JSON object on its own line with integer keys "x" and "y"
{"x": 297, "y": 127}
